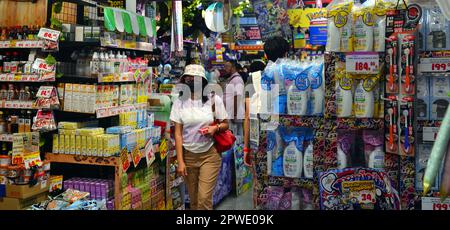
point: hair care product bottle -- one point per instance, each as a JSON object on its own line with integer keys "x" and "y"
{"x": 364, "y": 101}
{"x": 317, "y": 90}
{"x": 293, "y": 159}
{"x": 308, "y": 161}
{"x": 344, "y": 100}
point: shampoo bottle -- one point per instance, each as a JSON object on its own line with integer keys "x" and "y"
{"x": 364, "y": 101}
{"x": 297, "y": 95}
{"x": 308, "y": 161}
{"x": 317, "y": 90}
{"x": 344, "y": 101}
{"x": 292, "y": 161}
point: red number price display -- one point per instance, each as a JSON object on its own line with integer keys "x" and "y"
{"x": 367, "y": 63}
{"x": 440, "y": 207}
{"x": 439, "y": 67}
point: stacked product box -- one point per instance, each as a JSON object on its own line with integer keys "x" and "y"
{"x": 136, "y": 198}
{"x": 86, "y": 98}
{"x": 135, "y": 119}
{"x": 98, "y": 189}
{"x": 129, "y": 137}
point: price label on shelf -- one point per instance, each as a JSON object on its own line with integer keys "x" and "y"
{"x": 435, "y": 203}
{"x": 434, "y": 65}
{"x": 3, "y": 77}
{"x": 362, "y": 63}
{"x": 40, "y": 64}
{"x": 5, "y": 44}
{"x": 49, "y": 34}
{"x": 430, "y": 133}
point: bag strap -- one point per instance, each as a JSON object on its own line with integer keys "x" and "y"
{"x": 213, "y": 106}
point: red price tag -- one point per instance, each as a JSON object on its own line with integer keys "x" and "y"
{"x": 435, "y": 203}
{"x": 362, "y": 63}
{"x": 434, "y": 65}
{"x": 49, "y": 34}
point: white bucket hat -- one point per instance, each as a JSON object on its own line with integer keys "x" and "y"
{"x": 195, "y": 70}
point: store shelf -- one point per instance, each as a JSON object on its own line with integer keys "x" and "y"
{"x": 17, "y": 77}
{"x": 17, "y": 105}
{"x": 83, "y": 160}
{"x": 114, "y": 111}
{"x": 23, "y": 44}
{"x": 130, "y": 45}
{"x": 6, "y": 137}
{"x": 103, "y": 78}
{"x": 119, "y": 44}
{"x": 176, "y": 182}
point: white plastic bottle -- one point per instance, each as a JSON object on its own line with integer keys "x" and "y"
{"x": 364, "y": 102}
{"x": 112, "y": 61}
{"x": 95, "y": 64}
{"x": 344, "y": 101}
{"x": 376, "y": 158}
{"x": 308, "y": 161}
{"x": 297, "y": 95}
{"x": 292, "y": 161}
{"x": 317, "y": 96}
{"x": 102, "y": 63}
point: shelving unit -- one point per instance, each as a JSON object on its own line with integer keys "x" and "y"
{"x": 25, "y": 44}
{"x": 17, "y": 77}
{"x": 90, "y": 160}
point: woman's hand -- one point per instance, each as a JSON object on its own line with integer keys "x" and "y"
{"x": 181, "y": 169}
{"x": 212, "y": 129}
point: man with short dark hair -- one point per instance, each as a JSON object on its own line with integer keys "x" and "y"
{"x": 274, "y": 49}
{"x": 234, "y": 96}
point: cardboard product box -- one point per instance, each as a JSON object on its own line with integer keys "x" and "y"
{"x": 7, "y": 203}
{"x": 68, "y": 97}
{"x": 25, "y": 191}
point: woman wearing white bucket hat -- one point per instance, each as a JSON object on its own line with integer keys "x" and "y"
{"x": 198, "y": 160}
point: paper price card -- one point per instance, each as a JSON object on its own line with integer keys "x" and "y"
{"x": 362, "y": 63}
{"x": 45, "y": 91}
{"x": 136, "y": 155}
{"x": 5, "y": 44}
{"x": 40, "y": 64}
{"x": 125, "y": 159}
{"x": 163, "y": 149}
{"x": 49, "y": 34}
{"x": 434, "y": 65}
{"x": 361, "y": 191}
{"x": 31, "y": 160}
{"x": 149, "y": 154}
{"x": 435, "y": 203}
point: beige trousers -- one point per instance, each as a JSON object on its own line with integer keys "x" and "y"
{"x": 202, "y": 172}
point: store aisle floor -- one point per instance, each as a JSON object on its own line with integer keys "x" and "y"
{"x": 232, "y": 202}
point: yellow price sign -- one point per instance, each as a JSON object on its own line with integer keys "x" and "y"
{"x": 163, "y": 149}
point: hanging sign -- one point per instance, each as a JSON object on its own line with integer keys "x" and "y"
{"x": 149, "y": 154}
{"x": 362, "y": 63}
{"x": 49, "y": 34}
{"x": 125, "y": 159}
{"x": 41, "y": 64}
{"x": 136, "y": 155}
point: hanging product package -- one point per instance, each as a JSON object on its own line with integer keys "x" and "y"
{"x": 373, "y": 149}
{"x": 345, "y": 148}
{"x": 298, "y": 94}
{"x": 274, "y": 154}
{"x": 364, "y": 101}
{"x": 308, "y": 158}
{"x": 317, "y": 95}
{"x": 293, "y": 153}
{"x": 267, "y": 87}
{"x": 344, "y": 98}
{"x": 363, "y": 26}
{"x": 339, "y": 26}
{"x": 379, "y": 26}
